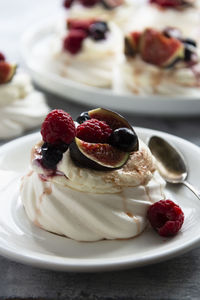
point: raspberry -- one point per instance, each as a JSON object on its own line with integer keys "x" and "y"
{"x": 167, "y": 3}
{"x": 165, "y": 217}
{"x": 2, "y": 57}
{"x": 73, "y": 41}
{"x": 94, "y": 131}
{"x": 68, "y": 3}
{"x": 58, "y": 127}
{"x": 79, "y": 24}
{"x": 89, "y": 3}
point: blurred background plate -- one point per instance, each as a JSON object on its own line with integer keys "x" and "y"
{"x": 34, "y": 43}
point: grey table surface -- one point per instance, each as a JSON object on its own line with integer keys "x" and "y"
{"x": 178, "y": 278}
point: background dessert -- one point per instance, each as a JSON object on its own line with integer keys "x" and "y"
{"x": 101, "y": 201}
{"x": 86, "y": 52}
{"x": 21, "y": 107}
{"x": 160, "y": 62}
{"x": 118, "y": 11}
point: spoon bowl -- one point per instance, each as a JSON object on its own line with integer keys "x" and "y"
{"x": 170, "y": 162}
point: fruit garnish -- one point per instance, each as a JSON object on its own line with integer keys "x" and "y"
{"x": 52, "y": 154}
{"x": 94, "y": 148}
{"x": 73, "y": 41}
{"x": 165, "y": 217}
{"x": 159, "y": 50}
{"x": 94, "y": 131}
{"x": 2, "y": 57}
{"x": 67, "y": 3}
{"x": 98, "y": 30}
{"x": 83, "y": 117}
{"x": 7, "y": 71}
{"x": 124, "y": 139}
{"x": 113, "y": 119}
{"x": 89, "y": 3}
{"x": 58, "y": 127}
{"x": 132, "y": 42}
{"x": 79, "y": 24}
{"x": 110, "y": 4}
{"x": 173, "y": 3}
{"x": 97, "y": 156}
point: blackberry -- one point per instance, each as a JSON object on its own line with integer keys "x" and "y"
{"x": 52, "y": 154}
{"x": 83, "y": 117}
{"x": 124, "y": 139}
{"x": 98, "y": 30}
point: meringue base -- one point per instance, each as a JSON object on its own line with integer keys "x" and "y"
{"x": 87, "y": 216}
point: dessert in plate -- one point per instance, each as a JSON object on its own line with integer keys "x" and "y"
{"x": 21, "y": 107}
{"x": 183, "y": 14}
{"x": 117, "y": 11}
{"x": 160, "y": 62}
{"x": 86, "y": 51}
{"x": 95, "y": 180}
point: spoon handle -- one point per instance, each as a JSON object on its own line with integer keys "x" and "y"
{"x": 197, "y": 194}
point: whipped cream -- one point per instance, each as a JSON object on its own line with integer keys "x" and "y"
{"x": 21, "y": 107}
{"x": 88, "y": 205}
{"x": 94, "y": 64}
{"x": 142, "y": 78}
{"x": 119, "y": 15}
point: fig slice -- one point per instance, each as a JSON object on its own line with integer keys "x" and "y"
{"x": 131, "y": 43}
{"x": 113, "y": 119}
{"x": 97, "y": 156}
{"x": 110, "y": 4}
{"x": 159, "y": 50}
{"x": 7, "y": 71}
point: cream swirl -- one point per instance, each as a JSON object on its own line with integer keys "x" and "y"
{"x": 94, "y": 64}
{"x": 21, "y": 107}
{"x": 142, "y": 78}
{"x": 88, "y": 205}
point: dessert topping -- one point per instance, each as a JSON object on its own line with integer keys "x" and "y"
{"x": 2, "y": 56}
{"x": 83, "y": 117}
{"x": 58, "y": 127}
{"x": 94, "y": 131}
{"x": 97, "y": 156}
{"x": 52, "y": 154}
{"x": 67, "y": 3}
{"x": 157, "y": 49}
{"x": 79, "y": 30}
{"x": 173, "y": 3}
{"x": 98, "y": 30}
{"x": 73, "y": 41}
{"x": 163, "y": 49}
{"x": 108, "y": 4}
{"x": 165, "y": 217}
{"x": 94, "y": 148}
{"x": 7, "y": 71}
{"x": 124, "y": 139}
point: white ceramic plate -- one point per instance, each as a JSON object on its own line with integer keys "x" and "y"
{"x": 20, "y": 240}
{"x": 33, "y": 45}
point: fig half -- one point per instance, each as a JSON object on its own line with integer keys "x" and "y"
{"x": 159, "y": 50}
{"x": 113, "y": 119}
{"x": 7, "y": 71}
{"x": 99, "y": 157}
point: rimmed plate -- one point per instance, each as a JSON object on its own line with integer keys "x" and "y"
{"x": 20, "y": 240}
{"x": 33, "y": 45}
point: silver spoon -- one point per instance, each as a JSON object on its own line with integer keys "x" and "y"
{"x": 170, "y": 163}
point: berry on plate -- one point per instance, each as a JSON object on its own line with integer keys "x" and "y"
{"x": 165, "y": 217}
{"x": 58, "y": 127}
{"x": 2, "y": 56}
